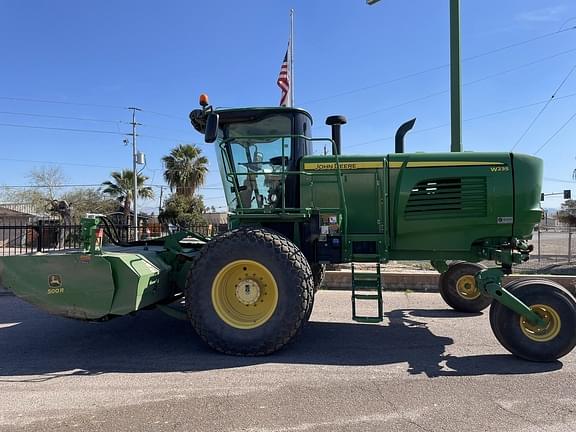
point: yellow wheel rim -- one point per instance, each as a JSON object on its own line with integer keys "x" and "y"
{"x": 466, "y": 288}
{"x": 546, "y": 332}
{"x": 244, "y": 294}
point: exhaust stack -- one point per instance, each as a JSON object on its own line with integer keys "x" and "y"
{"x": 336, "y": 121}
{"x": 401, "y": 132}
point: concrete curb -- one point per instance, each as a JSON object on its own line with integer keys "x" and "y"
{"x": 425, "y": 281}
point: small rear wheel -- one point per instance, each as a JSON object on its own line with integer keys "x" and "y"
{"x": 459, "y": 290}
{"x": 248, "y": 292}
{"x": 547, "y": 342}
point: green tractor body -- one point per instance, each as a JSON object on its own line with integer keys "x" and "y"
{"x": 402, "y": 206}
{"x": 295, "y": 204}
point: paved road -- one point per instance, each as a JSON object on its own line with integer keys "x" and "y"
{"x": 424, "y": 369}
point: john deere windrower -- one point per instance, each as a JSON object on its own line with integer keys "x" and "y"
{"x": 251, "y": 290}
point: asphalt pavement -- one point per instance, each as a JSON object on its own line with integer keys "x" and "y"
{"x": 425, "y": 368}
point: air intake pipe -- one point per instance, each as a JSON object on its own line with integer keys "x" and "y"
{"x": 336, "y": 121}
{"x": 401, "y": 132}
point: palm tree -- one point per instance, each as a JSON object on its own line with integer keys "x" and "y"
{"x": 122, "y": 189}
{"x": 186, "y": 169}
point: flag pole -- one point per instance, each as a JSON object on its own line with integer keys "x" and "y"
{"x": 291, "y": 57}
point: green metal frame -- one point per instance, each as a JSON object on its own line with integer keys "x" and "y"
{"x": 294, "y": 215}
{"x": 490, "y": 281}
{"x": 367, "y": 286}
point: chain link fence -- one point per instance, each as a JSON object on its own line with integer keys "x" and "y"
{"x": 554, "y": 251}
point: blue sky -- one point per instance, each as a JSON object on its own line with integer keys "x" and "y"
{"x": 99, "y": 57}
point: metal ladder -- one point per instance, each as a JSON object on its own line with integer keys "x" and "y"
{"x": 367, "y": 286}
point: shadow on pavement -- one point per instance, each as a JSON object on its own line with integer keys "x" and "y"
{"x": 442, "y": 313}
{"x": 45, "y": 347}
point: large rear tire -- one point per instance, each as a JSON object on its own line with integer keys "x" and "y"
{"x": 318, "y": 273}
{"x": 458, "y": 288}
{"x": 248, "y": 292}
{"x": 544, "y": 343}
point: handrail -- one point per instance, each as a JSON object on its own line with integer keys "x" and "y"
{"x": 232, "y": 178}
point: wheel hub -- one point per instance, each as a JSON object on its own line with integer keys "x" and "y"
{"x": 466, "y": 287}
{"x": 542, "y": 333}
{"x": 248, "y": 292}
{"x": 244, "y": 294}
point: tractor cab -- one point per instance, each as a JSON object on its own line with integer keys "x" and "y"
{"x": 258, "y": 151}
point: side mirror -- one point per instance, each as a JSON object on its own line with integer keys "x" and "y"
{"x": 211, "y": 132}
{"x": 279, "y": 161}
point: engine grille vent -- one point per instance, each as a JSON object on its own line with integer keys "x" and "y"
{"x": 447, "y": 198}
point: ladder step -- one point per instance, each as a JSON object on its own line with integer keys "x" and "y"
{"x": 366, "y": 283}
{"x": 365, "y": 319}
{"x": 366, "y": 276}
{"x": 366, "y": 258}
{"x": 367, "y": 296}
{"x": 366, "y": 288}
{"x": 370, "y": 283}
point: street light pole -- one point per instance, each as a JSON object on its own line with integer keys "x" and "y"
{"x": 455, "y": 77}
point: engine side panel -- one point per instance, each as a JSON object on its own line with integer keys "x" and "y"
{"x": 448, "y": 201}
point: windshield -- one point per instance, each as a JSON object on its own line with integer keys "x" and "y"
{"x": 253, "y": 157}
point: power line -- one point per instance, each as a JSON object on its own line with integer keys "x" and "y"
{"x": 166, "y": 129}
{"x": 165, "y": 115}
{"x": 69, "y": 164}
{"x": 516, "y": 108}
{"x": 90, "y": 185}
{"x": 401, "y": 104}
{"x": 61, "y": 129}
{"x": 58, "y": 163}
{"x": 435, "y": 68}
{"x": 476, "y": 81}
{"x": 517, "y": 44}
{"x": 59, "y": 102}
{"x": 168, "y": 139}
{"x": 100, "y": 185}
{"x": 117, "y": 122}
{"x": 522, "y": 66}
{"x": 478, "y": 117}
{"x": 543, "y": 108}
{"x": 50, "y": 101}
{"x": 48, "y": 186}
{"x": 558, "y": 180}
{"x": 407, "y": 76}
{"x": 77, "y": 130}
{"x": 556, "y": 133}
{"x": 382, "y": 83}
{"x": 60, "y": 117}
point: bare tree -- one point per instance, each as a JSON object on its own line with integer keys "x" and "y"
{"x": 49, "y": 179}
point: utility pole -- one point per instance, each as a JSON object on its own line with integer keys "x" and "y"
{"x": 455, "y": 78}
{"x": 135, "y": 173}
{"x": 160, "y": 203}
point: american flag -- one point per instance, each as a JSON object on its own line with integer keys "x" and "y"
{"x": 284, "y": 80}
